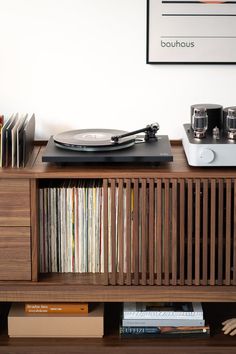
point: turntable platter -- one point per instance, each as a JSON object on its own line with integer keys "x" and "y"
{"x": 92, "y": 140}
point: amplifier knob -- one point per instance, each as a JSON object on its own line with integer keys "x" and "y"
{"x": 206, "y": 155}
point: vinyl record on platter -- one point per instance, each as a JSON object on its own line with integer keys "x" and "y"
{"x": 92, "y": 140}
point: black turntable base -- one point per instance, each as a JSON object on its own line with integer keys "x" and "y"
{"x": 147, "y": 152}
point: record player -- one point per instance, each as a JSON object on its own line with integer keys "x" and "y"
{"x": 210, "y": 138}
{"x": 108, "y": 146}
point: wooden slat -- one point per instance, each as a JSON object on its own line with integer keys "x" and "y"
{"x": 34, "y": 202}
{"x": 151, "y": 246}
{"x": 190, "y": 233}
{"x": 121, "y": 230}
{"x": 213, "y": 231}
{"x": 128, "y": 231}
{"x": 174, "y": 243}
{"x": 197, "y": 231}
{"x": 144, "y": 231}
{"x": 105, "y": 229}
{"x": 158, "y": 232}
{"x": 182, "y": 231}
{"x": 228, "y": 232}
{"x": 113, "y": 232}
{"x": 166, "y": 232}
{"x": 220, "y": 230}
{"x": 234, "y": 235}
{"x": 136, "y": 232}
{"x": 205, "y": 233}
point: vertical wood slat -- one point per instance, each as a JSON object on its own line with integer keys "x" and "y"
{"x": 228, "y": 232}
{"x": 220, "y": 230}
{"x": 205, "y": 233}
{"x": 120, "y": 226}
{"x": 213, "y": 230}
{"x": 234, "y": 236}
{"x": 128, "y": 231}
{"x": 158, "y": 232}
{"x": 190, "y": 233}
{"x": 143, "y": 232}
{"x": 34, "y": 229}
{"x": 151, "y": 246}
{"x": 105, "y": 229}
{"x": 136, "y": 232}
{"x": 113, "y": 232}
{"x": 182, "y": 231}
{"x": 166, "y": 232}
{"x": 197, "y": 231}
{"x": 174, "y": 231}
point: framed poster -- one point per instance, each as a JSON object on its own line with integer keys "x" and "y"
{"x": 190, "y": 32}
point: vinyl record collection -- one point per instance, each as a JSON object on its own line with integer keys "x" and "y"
{"x": 17, "y": 137}
{"x": 71, "y": 227}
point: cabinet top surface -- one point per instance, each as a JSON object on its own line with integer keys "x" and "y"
{"x": 178, "y": 168}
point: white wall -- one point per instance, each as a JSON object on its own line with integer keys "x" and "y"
{"x": 81, "y": 64}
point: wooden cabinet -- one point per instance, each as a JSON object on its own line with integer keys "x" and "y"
{"x": 187, "y": 218}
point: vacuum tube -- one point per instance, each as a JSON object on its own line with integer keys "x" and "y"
{"x": 231, "y": 124}
{"x": 199, "y": 122}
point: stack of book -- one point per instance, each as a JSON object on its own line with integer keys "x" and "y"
{"x": 163, "y": 320}
{"x": 56, "y": 320}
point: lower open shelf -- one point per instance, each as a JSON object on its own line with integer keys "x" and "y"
{"x": 111, "y": 342}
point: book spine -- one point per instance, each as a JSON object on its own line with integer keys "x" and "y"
{"x": 161, "y": 315}
{"x": 139, "y": 330}
{"x": 57, "y": 308}
{"x": 200, "y": 334}
{"x": 160, "y": 322}
{"x": 164, "y": 332}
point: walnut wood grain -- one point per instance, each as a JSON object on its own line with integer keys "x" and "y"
{"x": 205, "y": 233}
{"x": 190, "y": 233}
{"x": 14, "y": 202}
{"x": 15, "y": 253}
{"x": 128, "y": 231}
{"x": 74, "y": 287}
{"x": 213, "y": 232}
{"x": 158, "y": 231}
{"x": 151, "y": 224}
{"x": 174, "y": 232}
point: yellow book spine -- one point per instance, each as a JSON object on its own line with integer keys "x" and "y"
{"x": 70, "y": 308}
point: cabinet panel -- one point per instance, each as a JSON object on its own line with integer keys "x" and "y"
{"x": 15, "y": 253}
{"x": 14, "y": 202}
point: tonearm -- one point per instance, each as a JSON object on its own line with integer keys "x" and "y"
{"x": 150, "y": 133}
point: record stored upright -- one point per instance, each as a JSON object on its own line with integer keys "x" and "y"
{"x": 187, "y": 216}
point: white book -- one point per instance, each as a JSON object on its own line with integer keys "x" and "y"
{"x": 173, "y": 322}
{"x": 135, "y": 310}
